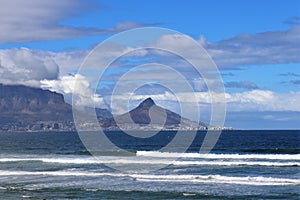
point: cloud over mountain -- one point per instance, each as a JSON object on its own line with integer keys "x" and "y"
{"x": 26, "y": 67}
{"x": 50, "y": 69}
{"x": 79, "y": 87}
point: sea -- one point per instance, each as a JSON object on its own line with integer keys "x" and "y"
{"x": 252, "y": 164}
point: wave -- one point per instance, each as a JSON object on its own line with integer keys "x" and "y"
{"x": 150, "y": 161}
{"x": 219, "y": 179}
{"x": 219, "y": 156}
{"x": 255, "y": 180}
{"x": 238, "y": 163}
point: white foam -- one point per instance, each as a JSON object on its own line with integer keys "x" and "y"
{"x": 26, "y": 196}
{"x": 149, "y": 160}
{"x": 53, "y": 160}
{"x": 258, "y": 180}
{"x": 56, "y": 173}
{"x": 219, "y": 156}
{"x": 189, "y": 194}
{"x": 238, "y": 163}
{"x": 219, "y": 179}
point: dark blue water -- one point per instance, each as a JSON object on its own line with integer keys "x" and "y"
{"x": 242, "y": 165}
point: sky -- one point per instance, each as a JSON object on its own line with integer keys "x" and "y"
{"x": 255, "y": 46}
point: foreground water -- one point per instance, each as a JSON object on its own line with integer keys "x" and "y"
{"x": 243, "y": 165}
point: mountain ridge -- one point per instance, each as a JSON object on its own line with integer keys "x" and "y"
{"x": 148, "y": 113}
{"x": 23, "y": 103}
{"x": 27, "y": 107}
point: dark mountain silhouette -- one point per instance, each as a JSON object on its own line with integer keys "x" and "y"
{"x": 141, "y": 114}
{"x": 25, "y": 104}
{"x": 147, "y": 111}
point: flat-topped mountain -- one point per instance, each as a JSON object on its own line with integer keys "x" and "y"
{"x": 22, "y": 103}
{"x": 25, "y": 104}
{"x": 28, "y": 99}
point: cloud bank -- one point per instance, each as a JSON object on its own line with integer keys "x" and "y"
{"x": 26, "y": 67}
{"x": 79, "y": 87}
{"x": 253, "y": 100}
{"x": 49, "y": 70}
{"x": 272, "y": 47}
{"x": 35, "y": 20}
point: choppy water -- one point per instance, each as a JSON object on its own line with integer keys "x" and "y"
{"x": 243, "y": 165}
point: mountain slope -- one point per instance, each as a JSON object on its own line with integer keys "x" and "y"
{"x": 141, "y": 116}
{"x": 22, "y": 106}
{"x": 27, "y": 104}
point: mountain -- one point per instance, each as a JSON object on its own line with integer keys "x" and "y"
{"x": 22, "y": 104}
{"x": 24, "y": 108}
{"x": 27, "y": 104}
{"x": 100, "y": 112}
{"x": 141, "y": 116}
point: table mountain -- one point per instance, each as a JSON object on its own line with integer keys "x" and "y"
{"x": 22, "y": 103}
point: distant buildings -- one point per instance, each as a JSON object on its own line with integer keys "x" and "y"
{"x": 69, "y": 126}
{"x": 40, "y": 126}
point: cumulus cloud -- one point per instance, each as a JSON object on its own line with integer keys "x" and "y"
{"x": 79, "y": 87}
{"x": 254, "y": 100}
{"x": 279, "y": 47}
{"x": 68, "y": 62}
{"x": 35, "y": 20}
{"x": 26, "y": 67}
{"x": 263, "y": 100}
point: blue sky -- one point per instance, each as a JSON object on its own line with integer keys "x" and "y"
{"x": 255, "y": 44}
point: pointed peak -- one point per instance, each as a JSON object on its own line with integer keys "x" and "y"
{"x": 149, "y": 99}
{"x": 147, "y": 103}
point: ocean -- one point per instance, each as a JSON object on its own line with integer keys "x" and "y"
{"x": 243, "y": 165}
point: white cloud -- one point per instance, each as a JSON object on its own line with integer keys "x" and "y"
{"x": 26, "y": 67}
{"x": 237, "y": 51}
{"x": 272, "y": 47}
{"x": 68, "y": 62}
{"x": 79, "y": 87}
{"x": 263, "y": 100}
{"x": 254, "y": 100}
{"x": 186, "y": 48}
{"x": 36, "y": 20}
